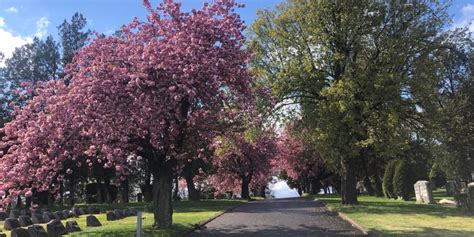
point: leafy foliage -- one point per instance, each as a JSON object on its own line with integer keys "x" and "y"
{"x": 403, "y": 181}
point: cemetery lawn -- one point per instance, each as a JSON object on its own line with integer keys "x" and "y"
{"x": 386, "y": 217}
{"x": 186, "y": 214}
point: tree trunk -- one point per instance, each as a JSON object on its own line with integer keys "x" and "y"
{"x": 61, "y": 193}
{"x": 262, "y": 191}
{"x": 108, "y": 196}
{"x": 124, "y": 187}
{"x": 348, "y": 183}
{"x": 244, "y": 192}
{"x": 72, "y": 191}
{"x": 176, "y": 189}
{"x": 50, "y": 199}
{"x": 368, "y": 186}
{"x": 314, "y": 187}
{"x": 193, "y": 193}
{"x": 378, "y": 186}
{"x": 100, "y": 198}
{"x": 162, "y": 194}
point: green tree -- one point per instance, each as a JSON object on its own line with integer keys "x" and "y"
{"x": 403, "y": 181}
{"x": 388, "y": 178}
{"x": 350, "y": 68}
{"x": 73, "y": 36}
{"x": 437, "y": 176}
{"x": 33, "y": 62}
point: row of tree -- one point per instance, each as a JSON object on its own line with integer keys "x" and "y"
{"x": 371, "y": 82}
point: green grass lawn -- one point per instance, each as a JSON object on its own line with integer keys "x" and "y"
{"x": 386, "y": 217}
{"x": 185, "y": 215}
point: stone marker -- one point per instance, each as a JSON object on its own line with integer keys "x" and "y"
{"x": 133, "y": 211}
{"x": 470, "y": 196}
{"x": 92, "y": 221}
{"x": 37, "y": 218}
{"x": 25, "y": 212}
{"x": 60, "y": 215}
{"x": 55, "y": 228}
{"x": 47, "y": 216}
{"x": 3, "y": 216}
{"x": 83, "y": 211}
{"x": 67, "y": 214}
{"x": 119, "y": 214}
{"x": 25, "y": 221}
{"x": 111, "y": 216}
{"x": 19, "y": 232}
{"x": 72, "y": 226}
{"x": 75, "y": 212}
{"x": 423, "y": 192}
{"x": 11, "y": 223}
{"x": 37, "y": 231}
{"x": 14, "y": 214}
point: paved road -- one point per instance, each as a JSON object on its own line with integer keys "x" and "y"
{"x": 294, "y": 217}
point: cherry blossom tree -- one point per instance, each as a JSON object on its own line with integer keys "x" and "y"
{"x": 300, "y": 162}
{"x": 243, "y": 161}
{"x": 132, "y": 96}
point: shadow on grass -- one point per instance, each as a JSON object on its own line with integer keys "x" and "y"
{"x": 176, "y": 231}
{"x": 384, "y": 206}
{"x": 424, "y": 231}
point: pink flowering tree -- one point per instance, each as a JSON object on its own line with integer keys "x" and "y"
{"x": 243, "y": 161}
{"x": 299, "y": 161}
{"x": 130, "y": 97}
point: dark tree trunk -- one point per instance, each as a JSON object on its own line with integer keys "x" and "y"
{"x": 61, "y": 193}
{"x": 108, "y": 196}
{"x": 378, "y": 186}
{"x": 176, "y": 189}
{"x": 348, "y": 183}
{"x": 162, "y": 194}
{"x": 314, "y": 187}
{"x": 300, "y": 190}
{"x": 244, "y": 192}
{"x": 193, "y": 193}
{"x": 124, "y": 187}
{"x": 72, "y": 191}
{"x": 368, "y": 186}
{"x": 262, "y": 191}
{"x": 100, "y": 196}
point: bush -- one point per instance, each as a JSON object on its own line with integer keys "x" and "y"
{"x": 437, "y": 176}
{"x": 387, "y": 183}
{"x": 403, "y": 181}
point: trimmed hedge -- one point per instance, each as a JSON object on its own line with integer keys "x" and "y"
{"x": 387, "y": 183}
{"x": 437, "y": 176}
{"x": 403, "y": 180}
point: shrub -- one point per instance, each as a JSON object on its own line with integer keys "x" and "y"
{"x": 387, "y": 183}
{"x": 403, "y": 181}
{"x": 437, "y": 176}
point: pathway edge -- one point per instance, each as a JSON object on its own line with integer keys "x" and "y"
{"x": 201, "y": 224}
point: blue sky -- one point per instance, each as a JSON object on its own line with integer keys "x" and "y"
{"x": 21, "y": 20}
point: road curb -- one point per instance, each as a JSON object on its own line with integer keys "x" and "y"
{"x": 353, "y": 223}
{"x": 203, "y": 223}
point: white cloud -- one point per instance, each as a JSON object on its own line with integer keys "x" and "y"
{"x": 42, "y": 27}
{"x": 9, "y": 41}
{"x": 12, "y": 9}
{"x": 467, "y": 18}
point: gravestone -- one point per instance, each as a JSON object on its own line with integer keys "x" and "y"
{"x": 37, "y": 231}
{"x": 92, "y": 221}
{"x": 59, "y": 215}
{"x": 55, "y": 228}
{"x": 132, "y": 211}
{"x": 83, "y": 211}
{"x": 3, "y": 216}
{"x": 37, "y": 218}
{"x": 423, "y": 192}
{"x": 25, "y": 212}
{"x": 119, "y": 214}
{"x": 111, "y": 216}
{"x": 19, "y": 232}
{"x": 14, "y": 214}
{"x": 11, "y": 223}
{"x": 75, "y": 212}
{"x": 67, "y": 214}
{"x": 47, "y": 216}
{"x": 470, "y": 196}
{"x": 72, "y": 226}
{"x": 25, "y": 221}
